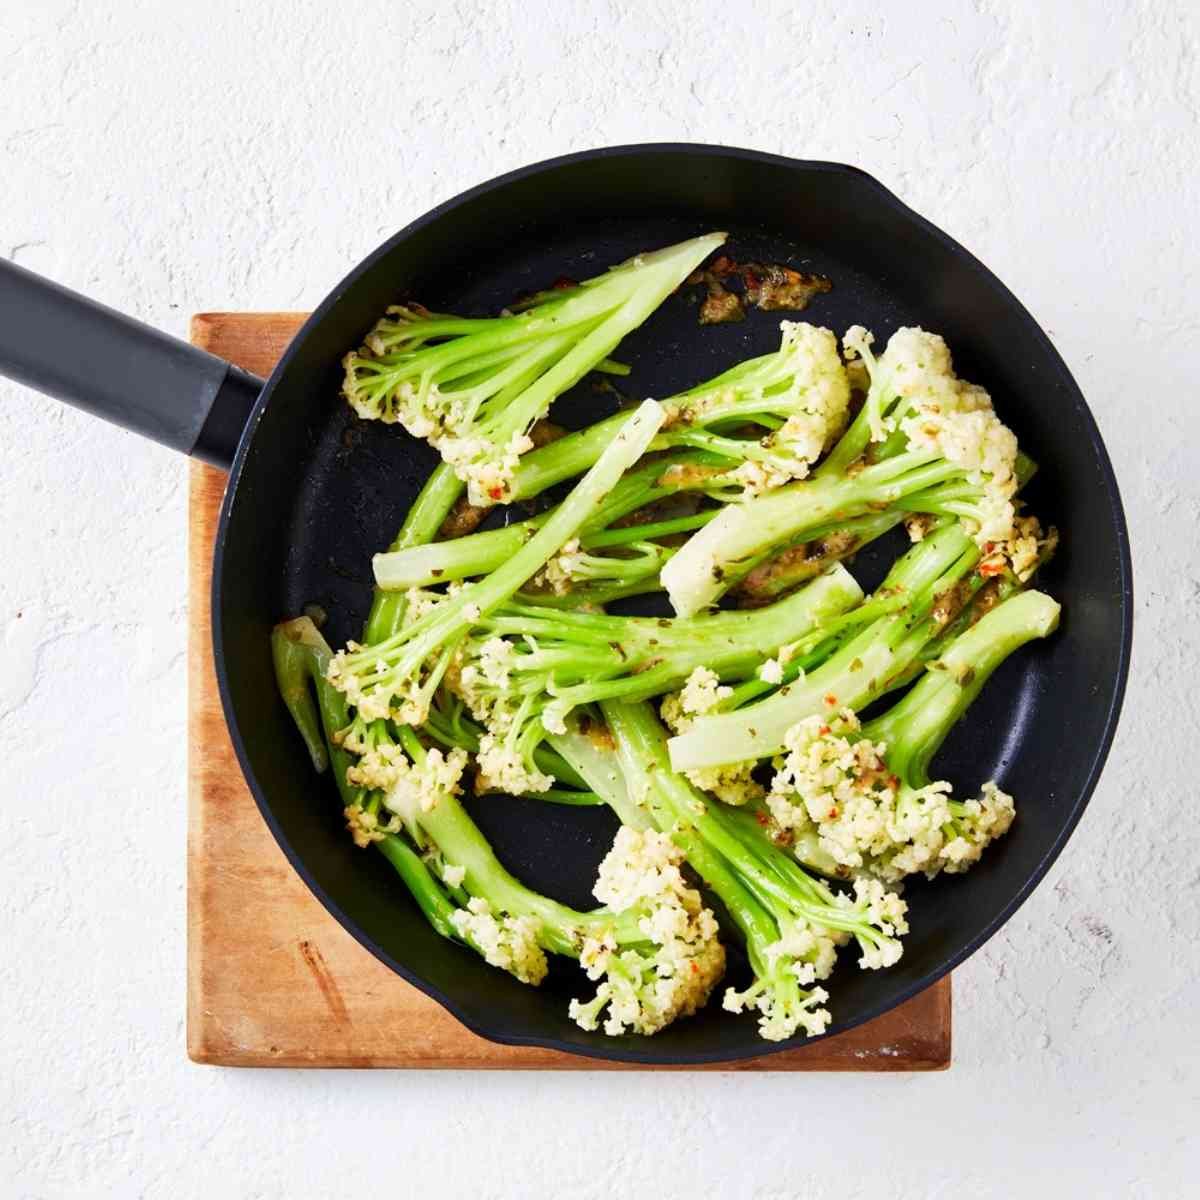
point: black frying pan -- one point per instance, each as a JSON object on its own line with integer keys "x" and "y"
{"x": 313, "y": 492}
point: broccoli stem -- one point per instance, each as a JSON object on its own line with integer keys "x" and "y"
{"x": 705, "y": 567}
{"x": 447, "y": 823}
{"x": 762, "y": 391}
{"x": 300, "y": 652}
{"x": 472, "y": 386}
{"x": 403, "y": 654}
{"x": 460, "y": 842}
{"x": 426, "y": 891}
{"x": 856, "y": 673}
{"x": 772, "y": 875}
{"x": 915, "y": 727}
{"x": 293, "y": 664}
{"x": 592, "y": 754}
{"x": 421, "y": 562}
{"x": 428, "y": 511}
{"x": 579, "y": 658}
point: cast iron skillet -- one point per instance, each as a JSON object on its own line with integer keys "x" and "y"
{"x": 313, "y": 492}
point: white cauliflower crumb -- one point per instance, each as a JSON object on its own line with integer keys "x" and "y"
{"x": 702, "y": 692}
{"x": 839, "y": 786}
{"x": 943, "y": 414}
{"x": 976, "y": 824}
{"x": 731, "y": 783}
{"x": 510, "y": 943}
{"x": 453, "y": 876}
{"x": 411, "y": 788}
{"x": 497, "y": 658}
{"x": 560, "y": 571}
{"x": 771, "y": 671}
{"x": 365, "y": 827}
{"x": 505, "y": 770}
{"x": 642, "y": 992}
{"x": 486, "y": 469}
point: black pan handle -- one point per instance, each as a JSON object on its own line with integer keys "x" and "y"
{"x": 70, "y": 347}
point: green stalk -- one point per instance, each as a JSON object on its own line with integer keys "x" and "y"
{"x": 435, "y": 500}
{"x": 302, "y": 654}
{"x": 704, "y": 568}
{"x": 406, "y": 651}
{"x": 417, "y": 564}
{"x": 771, "y": 874}
{"x": 593, "y": 756}
{"x": 855, "y": 674}
{"x": 915, "y": 727}
{"x": 762, "y": 391}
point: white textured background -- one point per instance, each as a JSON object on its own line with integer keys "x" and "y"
{"x": 176, "y": 157}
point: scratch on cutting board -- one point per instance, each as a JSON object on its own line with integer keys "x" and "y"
{"x": 329, "y": 989}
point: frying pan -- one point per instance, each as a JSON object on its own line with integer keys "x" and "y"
{"x": 313, "y": 492}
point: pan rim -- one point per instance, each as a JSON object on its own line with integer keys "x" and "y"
{"x": 622, "y": 1050}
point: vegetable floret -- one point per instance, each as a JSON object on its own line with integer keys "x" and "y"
{"x": 924, "y": 441}
{"x": 643, "y": 992}
{"x": 732, "y": 783}
{"x": 474, "y": 387}
{"x": 507, "y": 942}
{"x": 782, "y": 993}
{"x": 866, "y": 790}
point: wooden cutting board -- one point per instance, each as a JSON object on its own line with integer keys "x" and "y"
{"x": 273, "y": 979}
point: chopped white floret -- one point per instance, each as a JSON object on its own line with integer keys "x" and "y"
{"x": 560, "y": 571}
{"x": 486, "y": 469}
{"x": 497, "y": 658}
{"x": 365, "y": 826}
{"x": 504, "y": 769}
{"x": 731, "y": 783}
{"x": 508, "y": 942}
{"x": 702, "y": 692}
{"x": 453, "y": 876}
{"x": 839, "y": 785}
{"x": 976, "y": 824}
{"x": 642, "y": 991}
{"x": 412, "y": 788}
{"x": 771, "y": 671}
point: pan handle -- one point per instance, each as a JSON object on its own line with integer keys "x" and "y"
{"x": 80, "y": 352}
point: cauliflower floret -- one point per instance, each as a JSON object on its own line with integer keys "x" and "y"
{"x": 505, "y": 770}
{"x": 782, "y": 995}
{"x": 414, "y": 788}
{"x": 732, "y": 783}
{"x": 941, "y": 413}
{"x": 497, "y": 658}
{"x": 756, "y": 477}
{"x": 560, "y": 571}
{"x": 702, "y": 692}
{"x": 825, "y": 392}
{"x": 644, "y": 990}
{"x": 816, "y": 401}
{"x": 453, "y": 876}
{"x": 510, "y": 943}
{"x": 886, "y": 911}
{"x": 486, "y": 469}
{"x": 840, "y": 786}
{"x": 365, "y": 827}
{"x": 976, "y": 824}
{"x": 772, "y": 671}
{"x": 1022, "y": 551}
{"x": 641, "y": 865}
{"x": 837, "y": 784}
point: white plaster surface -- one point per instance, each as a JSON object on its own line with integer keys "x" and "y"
{"x": 170, "y": 158}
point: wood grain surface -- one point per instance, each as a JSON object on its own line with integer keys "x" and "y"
{"x": 273, "y": 980}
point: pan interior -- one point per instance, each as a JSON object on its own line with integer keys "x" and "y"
{"x": 320, "y": 491}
